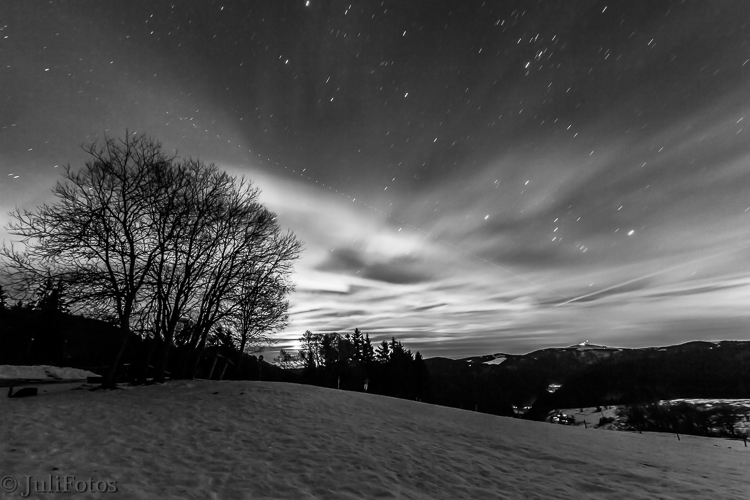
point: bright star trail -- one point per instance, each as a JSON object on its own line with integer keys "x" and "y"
{"x": 470, "y": 177}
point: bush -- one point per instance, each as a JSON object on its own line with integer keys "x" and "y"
{"x": 606, "y": 420}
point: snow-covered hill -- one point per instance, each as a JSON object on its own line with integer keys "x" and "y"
{"x": 207, "y": 439}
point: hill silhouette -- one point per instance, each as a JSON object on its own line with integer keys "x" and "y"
{"x": 582, "y": 375}
{"x": 35, "y": 337}
{"x": 637, "y": 376}
{"x": 587, "y": 375}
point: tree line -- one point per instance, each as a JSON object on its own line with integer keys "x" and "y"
{"x": 717, "y": 419}
{"x": 351, "y": 362}
{"x": 175, "y": 251}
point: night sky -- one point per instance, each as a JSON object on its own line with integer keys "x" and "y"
{"x": 470, "y": 177}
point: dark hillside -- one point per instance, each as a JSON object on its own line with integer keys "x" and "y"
{"x": 691, "y": 370}
{"x": 518, "y": 380}
{"x": 471, "y": 386}
{"x": 32, "y": 337}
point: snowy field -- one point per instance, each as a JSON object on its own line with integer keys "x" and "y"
{"x": 43, "y": 372}
{"x": 227, "y": 440}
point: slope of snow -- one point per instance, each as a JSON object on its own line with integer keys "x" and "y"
{"x": 43, "y": 372}
{"x": 227, "y": 440}
{"x": 496, "y": 361}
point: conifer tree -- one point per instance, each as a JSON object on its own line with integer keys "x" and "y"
{"x": 368, "y": 352}
{"x": 3, "y": 299}
{"x": 382, "y": 354}
{"x": 51, "y": 296}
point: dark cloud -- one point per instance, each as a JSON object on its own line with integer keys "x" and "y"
{"x": 397, "y": 271}
{"x": 402, "y": 270}
{"x": 346, "y": 260}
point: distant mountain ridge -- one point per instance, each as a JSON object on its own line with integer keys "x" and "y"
{"x": 493, "y": 358}
{"x": 587, "y": 374}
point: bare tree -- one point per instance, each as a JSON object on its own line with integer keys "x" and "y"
{"x": 310, "y": 350}
{"x": 250, "y": 268}
{"x": 288, "y": 360}
{"x": 221, "y": 259}
{"x": 261, "y": 306}
{"x": 156, "y": 244}
{"x": 97, "y": 236}
{"x": 190, "y": 236}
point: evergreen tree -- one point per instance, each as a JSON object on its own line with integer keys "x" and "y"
{"x": 3, "y": 299}
{"x": 51, "y": 296}
{"x": 368, "y": 352}
{"x": 383, "y": 352}
{"x": 357, "y": 341}
{"x": 328, "y": 350}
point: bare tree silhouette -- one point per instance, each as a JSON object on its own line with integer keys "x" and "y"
{"x": 152, "y": 242}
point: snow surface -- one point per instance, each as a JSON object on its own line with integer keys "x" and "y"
{"x": 227, "y": 440}
{"x": 43, "y": 372}
{"x": 497, "y": 361}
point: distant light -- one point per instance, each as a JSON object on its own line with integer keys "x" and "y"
{"x": 486, "y": 217}
{"x": 307, "y": 4}
{"x": 630, "y": 233}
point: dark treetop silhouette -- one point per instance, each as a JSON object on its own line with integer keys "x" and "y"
{"x": 152, "y": 242}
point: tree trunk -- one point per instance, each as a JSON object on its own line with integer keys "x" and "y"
{"x": 161, "y": 368}
{"x": 197, "y": 355}
{"x": 186, "y": 354}
{"x": 200, "y": 348}
{"x": 150, "y": 354}
{"x": 240, "y": 354}
{"x": 109, "y": 378}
